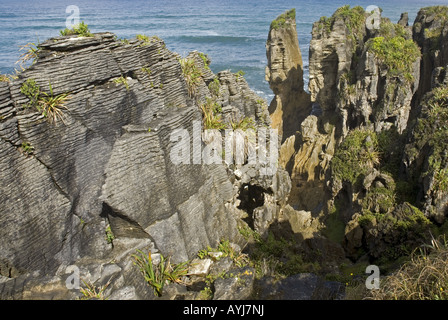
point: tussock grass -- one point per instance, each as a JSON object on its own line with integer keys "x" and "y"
{"x": 192, "y": 75}
{"x": 424, "y": 277}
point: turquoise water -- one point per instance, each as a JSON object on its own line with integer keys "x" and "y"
{"x": 232, "y": 33}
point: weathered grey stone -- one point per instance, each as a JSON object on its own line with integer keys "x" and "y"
{"x": 302, "y": 286}
{"x": 109, "y": 163}
{"x": 237, "y": 287}
{"x": 200, "y": 267}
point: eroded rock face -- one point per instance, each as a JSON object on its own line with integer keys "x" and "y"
{"x": 430, "y": 31}
{"x": 371, "y": 82}
{"x": 284, "y": 73}
{"x": 106, "y": 167}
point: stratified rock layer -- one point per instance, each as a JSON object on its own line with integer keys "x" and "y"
{"x": 106, "y": 168}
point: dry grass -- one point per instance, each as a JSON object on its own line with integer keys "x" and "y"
{"x": 424, "y": 277}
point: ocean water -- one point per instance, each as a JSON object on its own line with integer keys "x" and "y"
{"x": 232, "y": 33}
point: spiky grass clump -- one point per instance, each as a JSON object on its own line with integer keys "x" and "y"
{"x": 157, "y": 275}
{"x": 80, "y": 29}
{"x": 51, "y": 106}
{"x": 192, "y": 75}
{"x": 424, "y": 277}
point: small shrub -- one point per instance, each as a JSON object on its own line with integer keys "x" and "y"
{"x": 396, "y": 53}
{"x": 210, "y": 115}
{"x": 354, "y": 19}
{"x": 280, "y": 21}
{"x": 243, "y": 124}
{"x": 432, "y": 130}
{"x": 143, "y": 38}
{"x": 239, "y": 74}
{"x": 224, "y": 246}
{"x": 31, "y": 52}
{"x": 49, "y": 105}
{"x": 424, "y": 277}
{"x": 214, "y": 87}
{"x": 192, "y": 75}
{"x": 147, "y": 70}
{"x": 27, "y": 148}
{"x": 205, "y": 59}
{"x": 109, "y": 235}
{"x": 158, "y": 275}
{"x": 80, "y": 29}
{"x": 355, "y": 155}
{"x": 93, "y": 292}
{"x": 30, "y": 89}
{"x": 122, "y": 80}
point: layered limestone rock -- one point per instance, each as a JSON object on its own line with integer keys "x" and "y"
{"x": 430, "y": 31}
{"x": 284, "y": 73}
{"x": 376, "y": 102}
{"x": 425, "y": 155}
{"x": 347, "y": 160}
{"x": 119, "y": 163}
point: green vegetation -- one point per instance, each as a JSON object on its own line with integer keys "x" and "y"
{"x": 109, "y": 235}
{"x": 211, "y": 117}
{"x": 146, "y": 40}
{"x": 80, "y": 29}
{"x": 423, "y": 277}
{"x": 434, "y": 35}
{"x": 214, "y": 87}
{"x": 226, "y": 250}
{"x": 354, "y": 19}
{"x": 432, "y": 130}
{"x": 379, "y": 199}
{"x": 396, "y": 53}
{"x": 205, "y": 59}
{"x": 122, "y": 80}
{"x": 192, "y": 75}
{"x": 439, "y": 12}
{"x": 48, "y": 104}
{"x": 51, "y": 106}
{"x": 279, "y": 258}
{"x": 347, "y": 87}
{"x": 280, "y": 21}
{"x": 147, "y": 70}
{"x": 334, "y": 225}
{"x": 240, "y": 74}
{"x": 243, "y": 124}
{"x": 388, "y": 30}
{"x": 31, "y": 52}
{"x": 355, "y": 156}
{"x": 30, "y": 89}
{"x": 163, "y": 272}
{"x": 275, "y": 256}
{"x": 93, "y": 292}
{"x": 143, "y": 38}
{"x": 27, "y": 148}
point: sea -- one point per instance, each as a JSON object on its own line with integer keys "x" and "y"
{"x": 232, "y": 33}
